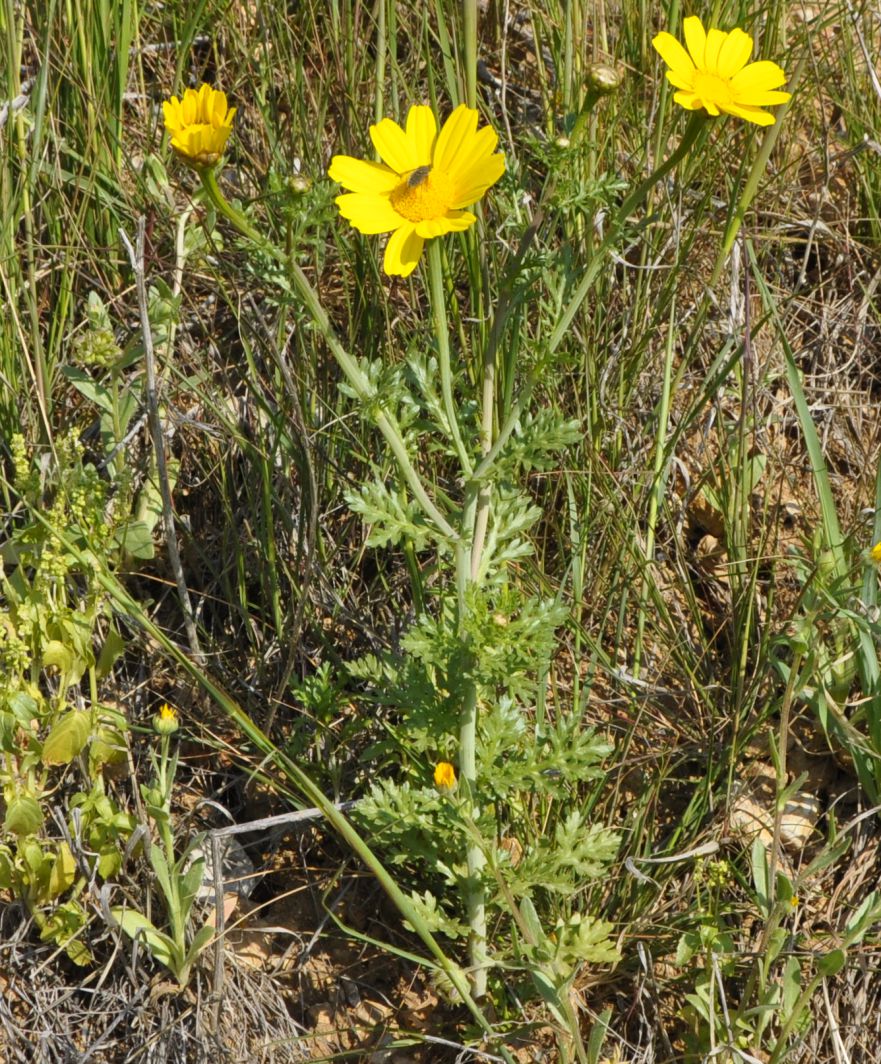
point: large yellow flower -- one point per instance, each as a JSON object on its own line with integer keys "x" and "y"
{"x": 199, "y": 124}
{"x": 425, "y": 179}
{"x": 715, "y": 73}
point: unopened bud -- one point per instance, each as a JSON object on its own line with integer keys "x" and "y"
{"x": 165, "y": 722}
{"x": 603, "y": 78}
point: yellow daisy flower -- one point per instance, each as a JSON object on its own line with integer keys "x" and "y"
{"x": 425, "y": 179}
{"x": 875, "y": 553}
{"x": 199, "y": 124}
{"x": 715, "y": 73}
{"x": 444, "y": 776}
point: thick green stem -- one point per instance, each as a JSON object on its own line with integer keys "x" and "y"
{"x": 353, "y": 373}
{"x": 475, "y": 894}
{"x": 442, "y": 334}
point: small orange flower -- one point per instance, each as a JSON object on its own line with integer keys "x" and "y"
{"x": 444, "y": 776}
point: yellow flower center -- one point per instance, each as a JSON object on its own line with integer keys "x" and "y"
{"x": 420, "y": 198}
{"x": 713, "y": 88}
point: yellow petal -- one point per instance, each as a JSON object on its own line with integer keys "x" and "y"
{"x": 689, "y": 100}
{"x": 696, "y": 39}
{"x": 394, "y": 147}
{"x": 710, "y": 107}
{"x": 189, "y": 108}
{"x": 680, "y": 80}
{"x": 453, "y": 222}
{"x": 358, "y": 175}
{"x": 673, "y": 54}
{"x": 369, "y": 213}
{"x": 750, "y": 114}
{"x": 218, "y": 108}
{"x": 456, "y": 132}
{"x": 474, "y": 152}
{"x": 735, "y": 53}
{"x": 757, "y": 77}
{"x": 473, "y": 185}
{"x": 421, "y": 132}
{"x": 203, "y": 102}
{"x": 402, "y": 251}
{"x": 715, "y": 40}
{"x": 762, "y": 99}
{"x": 171, "y": 111}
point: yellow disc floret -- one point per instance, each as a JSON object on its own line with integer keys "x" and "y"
{"x": 430, "y": 198}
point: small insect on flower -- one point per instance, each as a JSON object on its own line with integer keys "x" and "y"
{"x": 199, "y": 125}
{"x": 444, "y": 776}
{"x": 715, "y": 73}
{"x": 426, "y": 177}
{"x": 419, "y": 175}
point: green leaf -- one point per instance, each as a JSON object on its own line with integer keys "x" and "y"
{"x": 188, "y": 885}
{"x": 63, "y": 873}
{"x": 24, "y": 708}
{"x": 791, "y": 987}
{"x": 136, "y": 540}
{"x": 57, "y": 654}
{"x": 84, "y": 384}
{"x": 831, "y": 963}
{"x": 23, "y": 816}
{"x": 139, "y": 928}
{"x": 67, "y": 738}
{"x": 200, "y": 940}
{"x": 66, "y": 922}
{"x": 109, "y": 861}
{"x": 162, "y": 872}
{"x": 759, "y": 862}
{"x": 550, "y": 995}
{"x": 6, "y": 868}
{"x": 114, "y": 645}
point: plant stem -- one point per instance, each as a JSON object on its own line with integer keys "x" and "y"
{"x": 756, "y": 173}
{"x": 470, "y": 7}
{"x": 347, "y": 363}
{"x": 136, "y": 258}
{"x": 659, "y": 479}
{"x": 475, "y": 895}
{"x": 442, "y": 335}
{"x": 695, "y": 125}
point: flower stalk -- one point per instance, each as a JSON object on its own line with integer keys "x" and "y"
{"x": 352, "y": 371}
{"x": 442, "y": 334}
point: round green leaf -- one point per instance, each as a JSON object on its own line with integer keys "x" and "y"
{"x": 67, "y": 738}
{"x": 23, "y": 816}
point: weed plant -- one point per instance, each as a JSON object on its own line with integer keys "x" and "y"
{"x": 550, "y": 551}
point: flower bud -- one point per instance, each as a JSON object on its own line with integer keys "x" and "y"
{"x": 165, "y": 722}
{"x": 444, "y": 776}
{"x": 603, "y": 78}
